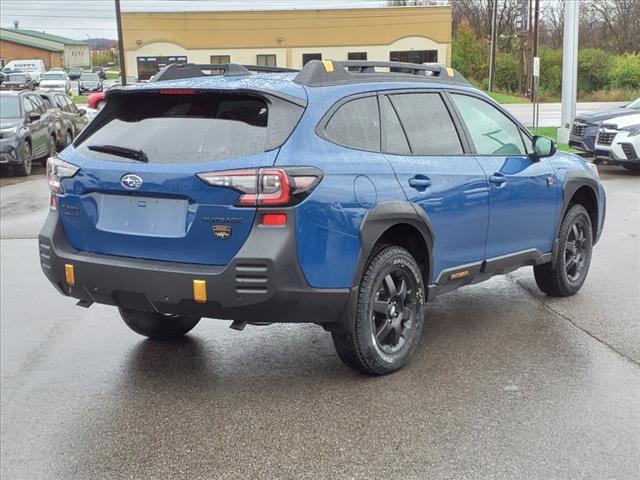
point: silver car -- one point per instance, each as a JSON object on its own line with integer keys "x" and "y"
{"x": 55, "y": 80}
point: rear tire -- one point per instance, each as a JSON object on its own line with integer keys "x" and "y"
{"x": 389, "y": 315}
{"x": 158, "y": 326}
{"x": 575, "y": 243}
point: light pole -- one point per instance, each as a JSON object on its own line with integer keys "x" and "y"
{"x": 123, "y": 72}
{"x": 569, "y": 68}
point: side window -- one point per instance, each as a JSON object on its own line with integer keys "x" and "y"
{"x": 393, "y": 138}
{"x": 492, "y": 132}
{"x": 356, "y": 124}
{"x": 427, "y": 123}
{"x": 28, "y": 106}
{"x": 60, "y": 103}
{"x": 71, "y": 107}
{"x": 40, "y": 106}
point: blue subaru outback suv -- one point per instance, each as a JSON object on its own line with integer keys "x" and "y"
{"x": 347, "y": 194}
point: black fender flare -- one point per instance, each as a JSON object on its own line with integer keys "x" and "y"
{"x": 384, "y": 216}
{"x": 574, "y": 180}
{"x": 376, "y": 222}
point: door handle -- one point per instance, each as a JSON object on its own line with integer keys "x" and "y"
{"x": 498, "y": 179}
{"x": 420, "y": 182}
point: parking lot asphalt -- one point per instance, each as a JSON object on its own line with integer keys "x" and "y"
{"x": 505, "y": 383}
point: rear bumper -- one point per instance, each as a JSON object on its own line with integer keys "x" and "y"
{"x": 263, "y": 283}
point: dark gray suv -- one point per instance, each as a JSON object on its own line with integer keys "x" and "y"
{"x": 27, "y": 130}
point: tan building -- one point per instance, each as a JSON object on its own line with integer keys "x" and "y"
{"x": 286, "y": 38}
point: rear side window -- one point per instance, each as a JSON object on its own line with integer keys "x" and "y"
{"x": 393, "y": 138}
{"x": 427, "y": 123}
{"x": 192, "y": 128}
{"x": 356, "y": 124}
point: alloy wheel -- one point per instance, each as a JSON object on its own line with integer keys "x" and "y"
{"x": 576, "y": 251}
{"x": 394, "y": 309}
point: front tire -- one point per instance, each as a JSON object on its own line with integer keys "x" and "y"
{"x": 158, "y": 326}
{"x": 389, "y": 315}
{"x": 575, "y": 244}
{"x": 24, "y": 169}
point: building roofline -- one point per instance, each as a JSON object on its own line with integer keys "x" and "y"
{"x": 26, "y": 43}
{"x": 281, "y": 10}
{"x": 45, "y": 36}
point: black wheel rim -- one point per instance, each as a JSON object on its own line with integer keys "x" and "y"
{"x": 576, "y": 251}
{"x": 394, "y": 309}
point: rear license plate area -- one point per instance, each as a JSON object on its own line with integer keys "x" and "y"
{"x": 143, "y": 216}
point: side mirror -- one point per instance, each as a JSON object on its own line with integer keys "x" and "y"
{"x": 543, "y": 147}
{"x": 82, "y": 111}
{"x": 33, "y": 116}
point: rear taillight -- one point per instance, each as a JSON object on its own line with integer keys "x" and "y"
{"x": 267, "y": 187}
{"x": 57, "y": 170}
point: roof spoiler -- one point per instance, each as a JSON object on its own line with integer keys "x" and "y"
{"x": 177, "y": 71}
{"x": 328, "y": 72}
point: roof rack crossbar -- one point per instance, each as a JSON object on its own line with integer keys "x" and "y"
{"x": 328, "y": 72}
{"x": 176, "y": 71}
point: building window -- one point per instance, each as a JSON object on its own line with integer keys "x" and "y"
{"x": 266, "y": 60}
{"x": 307, "y": 57}
{"x": 216, "y": 59}
{"x": 357, "y": 56}
{"x": 414, "y": 56}
{"x": 149, "y": 66}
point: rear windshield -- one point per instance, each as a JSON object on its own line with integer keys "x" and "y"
{"x": 191, "y": 128}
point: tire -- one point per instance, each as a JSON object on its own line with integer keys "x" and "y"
{"x": 68, "y": 138}
{"x": 635, "y": 168}
{"x": 575, "y": 244}
{"x": 389, "y": 315}
{"x": 157, "y": 325}
{"x": 24, "y": 169}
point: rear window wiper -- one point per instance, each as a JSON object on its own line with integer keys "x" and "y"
{"x": 138, "y": 155}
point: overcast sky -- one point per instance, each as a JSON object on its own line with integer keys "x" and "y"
{"x": 81, "y": 19}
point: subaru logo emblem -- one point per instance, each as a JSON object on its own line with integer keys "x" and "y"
{"x": 131, "y": 181}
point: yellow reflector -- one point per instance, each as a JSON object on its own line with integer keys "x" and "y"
{"x": 200, "y": 291}
{"x": 69, "y": 275}
{"x": 450, "y": 71}
{"x": 328, "y": 65}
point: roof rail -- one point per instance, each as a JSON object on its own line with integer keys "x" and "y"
{"x": 330, "y": 72}
{"x": 176, "y": 71}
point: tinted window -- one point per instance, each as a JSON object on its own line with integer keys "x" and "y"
{"x": 492, "y": 132}
{"x": 39, "y": 103}
{"x": 193, "y": 128}
{"x": 60, "y": 103}
{"x": 356, "y": 124}
{"x": 393, "y": 137}
{"x": 71, "y": 107}
{"x": 427, "y": 123}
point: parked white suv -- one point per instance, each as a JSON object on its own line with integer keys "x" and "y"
{"x": 618, "y": 142}
{"x": 55, "y": 80}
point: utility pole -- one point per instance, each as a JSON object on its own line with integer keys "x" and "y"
{"x": 123, "y": 71}
{"x": 569, "y": 68}
{"x": 535, "y": 36}
{"x": 494, "y": 42}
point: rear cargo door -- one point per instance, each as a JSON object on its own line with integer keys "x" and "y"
{"x": 137, "y": 193}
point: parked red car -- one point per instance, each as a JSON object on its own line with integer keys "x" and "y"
{"x": 97, "y": 100}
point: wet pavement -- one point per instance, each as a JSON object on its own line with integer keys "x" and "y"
{"x": 505, "y": 383}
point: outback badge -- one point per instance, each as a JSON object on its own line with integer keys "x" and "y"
{"x": 222, "y": 232}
